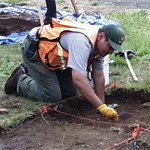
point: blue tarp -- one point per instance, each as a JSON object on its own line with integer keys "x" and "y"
{"x": 13, "y": 37}
{"x": 32, "y": 11}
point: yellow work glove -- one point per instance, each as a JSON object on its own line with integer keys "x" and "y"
{"x": 108, "y": 112}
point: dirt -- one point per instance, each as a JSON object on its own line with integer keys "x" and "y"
{"x": 82, "y": 127}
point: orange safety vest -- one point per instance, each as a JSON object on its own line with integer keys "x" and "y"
{"x": 50, "y": 51}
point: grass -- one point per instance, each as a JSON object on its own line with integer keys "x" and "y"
{"x": 19, "y": 110}
{"x": 17, "y": 1}
{"x": 10, "y": 57}
{"x": 137, "y": 38}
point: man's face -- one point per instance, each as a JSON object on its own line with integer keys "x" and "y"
{"x": 102, "y": 45}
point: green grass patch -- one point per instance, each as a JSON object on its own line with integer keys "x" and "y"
{"x": 17, "y": 1}
{"x": 136, "y": 26}
{"x": 60, "y": 1}
{"x": 10, "y": 58}
{"x": 19, "y": 110}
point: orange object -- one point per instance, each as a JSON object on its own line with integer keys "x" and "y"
{"x": 113, "y": 85}
{"x": 135, "y": 132}
{"x": 44, "y": 109}
{"x": 52, "y": 54}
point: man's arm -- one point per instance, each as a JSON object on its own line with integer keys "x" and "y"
{"x": 79, "y": 50}
{"x": 86, "y": 90}
{"x": 99, "y": 84}
{"x": 81, "y": 82}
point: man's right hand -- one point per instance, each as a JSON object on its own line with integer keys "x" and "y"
{"x": 108, "y": 111}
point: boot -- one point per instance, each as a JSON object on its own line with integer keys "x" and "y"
{"x": 11, "y": 84}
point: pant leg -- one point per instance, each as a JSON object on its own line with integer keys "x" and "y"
{"x": 65, "y": 80}
{"x": 41, "y": 83}
{"x": 51, "y": 9}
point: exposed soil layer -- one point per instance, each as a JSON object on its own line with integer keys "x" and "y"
{"x": 82, "y": 127}
{"x": 90, "y": 130}
{"x": 9, "y": 25}
{"x": 13, "y": 22}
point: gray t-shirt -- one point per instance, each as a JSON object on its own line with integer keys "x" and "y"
{"x": 79, "y": 48}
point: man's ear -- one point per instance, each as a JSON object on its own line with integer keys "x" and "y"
{"x": 101, "y": 35}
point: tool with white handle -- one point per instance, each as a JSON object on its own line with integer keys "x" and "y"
{"x": 130, "y": 67}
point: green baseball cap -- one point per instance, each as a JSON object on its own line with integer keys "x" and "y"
{"x": 115, "y": 35}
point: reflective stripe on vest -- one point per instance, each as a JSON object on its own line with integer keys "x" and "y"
{"x": 62, "y": 59}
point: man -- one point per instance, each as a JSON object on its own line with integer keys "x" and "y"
{"x": 57, "y": 57}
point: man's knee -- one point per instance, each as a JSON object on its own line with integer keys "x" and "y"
{"x": 53, "y": 97}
